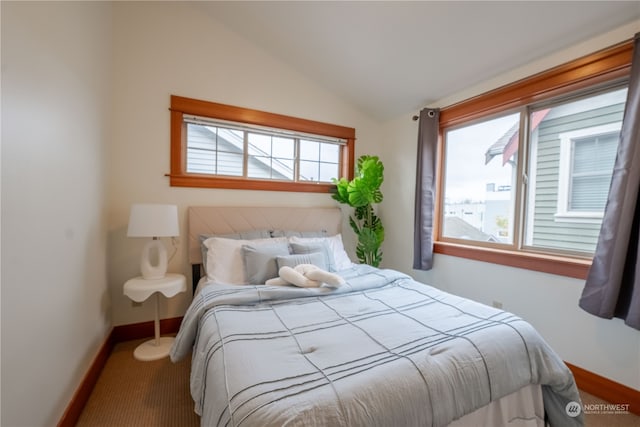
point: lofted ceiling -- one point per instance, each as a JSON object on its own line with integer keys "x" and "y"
{"x": 392, "y": 57}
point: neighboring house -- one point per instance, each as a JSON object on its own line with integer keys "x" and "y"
{"x": 463, "y": 216}
{"x": 460, "y": 228}
{"x": 573, "y": 148}
{"x": 222, "y": 154}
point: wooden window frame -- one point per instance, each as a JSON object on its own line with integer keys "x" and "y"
{"x": 179, "y": 177}
{"x": 604, "y": 66}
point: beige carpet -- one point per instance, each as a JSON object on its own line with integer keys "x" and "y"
{"x": 599, "y": 417}
{"x": 134, "y": 393}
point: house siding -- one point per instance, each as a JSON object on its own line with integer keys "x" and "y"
{"x": 203, "y": 154}
{"x": 228, "y": 156}
{"x": 548, "y": 232}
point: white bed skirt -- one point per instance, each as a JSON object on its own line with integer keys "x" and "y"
{"x": 522, "y": 408}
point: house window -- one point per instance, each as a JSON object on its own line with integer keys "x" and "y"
{"x": 586, "y": 163}
{"x": 215, "y": 145}
{"x": 524, "y": 170}
{"x": 567, "y": 175}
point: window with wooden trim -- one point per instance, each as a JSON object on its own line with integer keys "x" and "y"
{"x": 221, "y": 146}
{"x": 525, "y": 169}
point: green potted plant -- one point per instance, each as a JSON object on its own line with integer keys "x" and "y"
{"x": 361, "y": 193}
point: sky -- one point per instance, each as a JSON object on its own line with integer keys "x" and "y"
{"x": 466, "y": 174}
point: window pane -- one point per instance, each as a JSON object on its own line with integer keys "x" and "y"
{"x": 309, "y": 171}
{"x": 259, "y": 145}
{"x": 479, "y": 182}
{"x": 230, "y": 140}
{"x": 270, "y": 157}
{"x": 201, "y": 149}
{"x": 309, "y": 150}
{"x": 270, "y": 168}
{"x": 572, "y": 151}
{"x": 330, "y": 153}
{"x": 319, "y": 161}
{"x": 591, "y": 169}
{"x": 229, "y": 164}
{"x": 328, "y": 171}
{"x": 283, "y": 147}
{"x": 214, "y": 150}
{"x": 199, "y": 161}
{"x": 282, "y": 169}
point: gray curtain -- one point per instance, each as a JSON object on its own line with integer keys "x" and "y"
{"x": 425, "y": 189}
{"x": 612, "y": 288}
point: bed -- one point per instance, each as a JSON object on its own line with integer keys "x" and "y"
{"x": 379, "y": 350}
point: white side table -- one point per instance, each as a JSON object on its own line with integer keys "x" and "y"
{"x": 139, "y": 289}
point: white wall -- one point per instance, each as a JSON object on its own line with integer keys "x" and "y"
{"x": 606, "y": 347}
{"x": 55, "y": 123}
{"x": 172, "y": 48}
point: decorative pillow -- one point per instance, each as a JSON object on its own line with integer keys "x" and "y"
{"x": 260, "y": 261}
{"x": 306, "y": 276}
{"x": 241, "y": 235}
{"x": 320, "y": 247}
{"x": 340, "y": 257}
{"x": 315, "y": 258}
{"x": 224, "y": 258}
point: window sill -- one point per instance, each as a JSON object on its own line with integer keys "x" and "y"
{"x": 579, "y": 218}
{"x": 562, "y": 266}
{"x": 248, "y": 184}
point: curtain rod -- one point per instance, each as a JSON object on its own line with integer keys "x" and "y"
{"x": 430, "y": 114}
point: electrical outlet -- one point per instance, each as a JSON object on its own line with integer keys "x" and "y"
{"x": 497, "y": 304}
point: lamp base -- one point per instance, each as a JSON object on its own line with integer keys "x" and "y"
{"x": 148, "y": 270}
{"x": 152, "y": 350}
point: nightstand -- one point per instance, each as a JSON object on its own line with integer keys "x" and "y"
{"x": 139, "y": 289}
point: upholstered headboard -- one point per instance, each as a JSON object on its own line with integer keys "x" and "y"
{"x": 226, "y": 220}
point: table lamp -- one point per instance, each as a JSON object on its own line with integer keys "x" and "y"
{"x": 153, "y": 220}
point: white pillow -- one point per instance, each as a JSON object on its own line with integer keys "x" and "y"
{"x": 335, "y": 244}
{"x": 246, "y": 235}
{"x": 224, "y": 258}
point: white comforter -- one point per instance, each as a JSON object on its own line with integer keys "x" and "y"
{"x": 382, "y": 350}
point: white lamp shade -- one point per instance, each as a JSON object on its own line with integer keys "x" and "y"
{"x": 153, "y": 220}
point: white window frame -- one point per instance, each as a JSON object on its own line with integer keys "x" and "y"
{"x": 563, "y": 214}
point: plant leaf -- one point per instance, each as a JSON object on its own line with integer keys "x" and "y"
{"x": 341, "y": 194}
{"x": 372, "y": 172}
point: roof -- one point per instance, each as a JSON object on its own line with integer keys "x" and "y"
{"x": 461, "y": 229}
{"x": 507, "y": 144}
